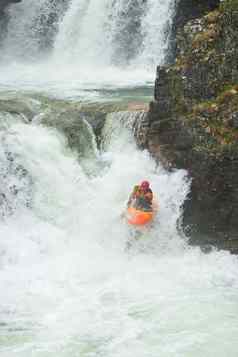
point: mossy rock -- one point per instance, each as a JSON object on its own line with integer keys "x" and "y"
{"x": 229, "y": 5}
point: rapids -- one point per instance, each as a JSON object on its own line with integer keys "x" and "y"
{"x": 69, "y": 287}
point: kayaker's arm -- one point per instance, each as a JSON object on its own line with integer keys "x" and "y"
{"x": 133, "y": 195}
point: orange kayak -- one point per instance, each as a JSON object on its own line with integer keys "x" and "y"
{"x": 137, "y": 217}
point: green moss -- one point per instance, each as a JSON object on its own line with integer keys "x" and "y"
{"x": 211, "y": 49}
{"x": 229, "y": 5}
{"x": 212, "y": 17}
{"x": 227, "y": 96}
{"x": 211, "y": 118}
{"x": 205, "y": 107}
{"x": 205, "y": 37}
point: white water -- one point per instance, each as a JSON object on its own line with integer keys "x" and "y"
{"x": 95, "y": 44}
{"x": 69, "y": 287}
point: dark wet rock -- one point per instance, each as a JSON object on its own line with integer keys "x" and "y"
{"x": 96, "y": 121}
{"x": 78, "y": 132}
{"x": 186, "y": 10}
{"x": 94, "y": 114}
{"x": 25, "y": 107}
{"x": 193, "y": 123}
{"x": 192, "y": 9}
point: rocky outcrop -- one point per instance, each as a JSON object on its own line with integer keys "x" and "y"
{"x": 192, "y": 9}
{"x": 27, "y": 108}
{"x": 186, "y": 10}
{"x": 193, "y": 123}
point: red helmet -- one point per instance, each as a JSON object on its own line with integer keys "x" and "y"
{"x": 145, "y": 185}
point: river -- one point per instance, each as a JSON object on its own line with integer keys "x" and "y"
{"x": 69, "y": 285}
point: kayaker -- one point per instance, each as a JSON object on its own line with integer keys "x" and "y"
{"x": 141, "y": 197}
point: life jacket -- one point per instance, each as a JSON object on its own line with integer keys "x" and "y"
{"x": 141, "y": 194}
{"x": 148, "y": 195}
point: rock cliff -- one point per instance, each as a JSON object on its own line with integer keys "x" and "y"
{"x": 191, "y": 9}
{"x": 193, "y": 123}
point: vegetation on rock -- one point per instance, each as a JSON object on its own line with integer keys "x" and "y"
{"x": 193, "y": 122}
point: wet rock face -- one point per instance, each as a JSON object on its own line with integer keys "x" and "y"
{"x": 193, "y": 123}
{"x": 187, "y": 10}
{"x": 76, "y": 130}
{"x": 212, "y": 207}
{"x": 190, "y": 9}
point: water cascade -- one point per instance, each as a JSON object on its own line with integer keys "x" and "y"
{"x": 31, "y": 37}
{"x": 69, "y": 285}
{"x": 90, "y": 43}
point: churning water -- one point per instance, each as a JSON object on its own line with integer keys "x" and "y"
{"x": 70, "y": 288}
{"x": 68, "y": 285}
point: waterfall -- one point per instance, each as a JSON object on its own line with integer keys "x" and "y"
{"x": 69, "y": 284}
{"x": 65, "y": 47}
{"x": 32, "y": 28}
{"x": 117, "y": 32}
{"x": 121, "y": 124}
{"x": 69, "y": 287}
{"x": 98, "y": 33}
{"x": 156, "y": 32}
